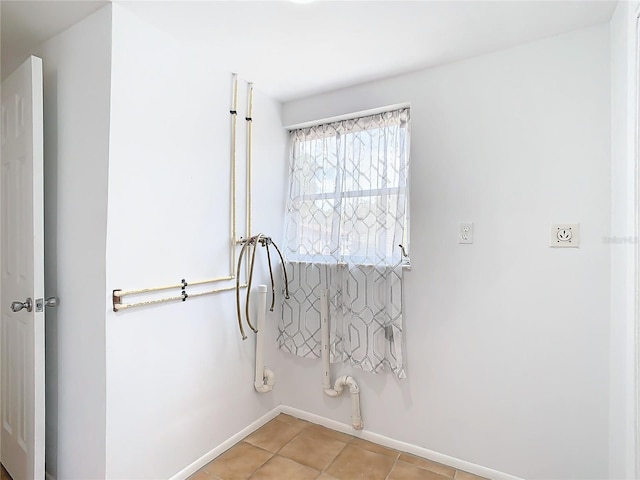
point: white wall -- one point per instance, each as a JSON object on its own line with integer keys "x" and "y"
{"x": 623, "y": 415}
{"x": 507, "y": 339}
{"x": 76, "y": 106}
{"x": 179, "y": 377}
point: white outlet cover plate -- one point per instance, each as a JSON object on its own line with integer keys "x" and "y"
{"x": 465, "y": 232}
{"x": 564, "y": 235}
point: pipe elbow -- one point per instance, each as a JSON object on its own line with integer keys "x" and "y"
{"x": 338, "y": 387}
{"x": 270, "y": 377}
{"x": 263, "y": 388}
{"x": 331, "y": 392}
{"x": 268, "y": 381}
{"x": 353, "y": 385}
{"x": 341, "y": 382}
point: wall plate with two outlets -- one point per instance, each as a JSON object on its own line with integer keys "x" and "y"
{"x": 564, "y": 235}
{"x": 465, "y": 232}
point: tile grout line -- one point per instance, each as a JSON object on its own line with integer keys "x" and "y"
{"x": 273, "y": 454}
{"x": 292, "y": 439}
{"x": 393, "y": 466}
{"x": 324, "y": 470}
{"x": 261, "y": 465}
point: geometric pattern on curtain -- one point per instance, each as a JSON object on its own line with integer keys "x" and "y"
{"x": 347, "y": 215}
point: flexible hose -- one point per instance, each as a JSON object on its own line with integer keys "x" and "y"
{"x": 273, "y": 284}
{"x": 244, "y": 336}
{"x": 284, "y": 271}
{"x": 255, "y": 240}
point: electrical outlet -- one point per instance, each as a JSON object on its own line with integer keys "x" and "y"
{"x": 465, "y": 232}
{"x": 564, "y": 235}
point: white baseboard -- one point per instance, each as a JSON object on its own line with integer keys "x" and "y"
{"x": 344, "y": 428}
{"x": 226, "y": 445}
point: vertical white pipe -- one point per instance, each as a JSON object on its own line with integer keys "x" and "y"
{"x": 264, "y": 378}
{"x": 249, "y": 139}
{"x": 354, "y": 389}
{"x": 356, "y": 416}
{"x": 262, "y": 305}
{"x": 234, "y": 134}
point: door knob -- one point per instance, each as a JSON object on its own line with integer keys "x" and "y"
{"x": 52, "y": 302}
{"x": 17, "y": 306}
{"x": 49, "y": 302}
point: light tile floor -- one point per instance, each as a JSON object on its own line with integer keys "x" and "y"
{"x": 288, "y": 448}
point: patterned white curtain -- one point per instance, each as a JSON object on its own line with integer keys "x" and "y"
{"x": 347, "y": 216}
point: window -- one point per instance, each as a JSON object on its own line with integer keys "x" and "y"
{"x": 346, "y": 219}
{"x": 348, "y": 193}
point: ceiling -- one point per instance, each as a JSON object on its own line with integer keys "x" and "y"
{"x": 26, "y": 24}
{"x": 291, "y": 50}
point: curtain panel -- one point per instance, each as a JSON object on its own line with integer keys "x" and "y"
{"x": 347, "y": 215}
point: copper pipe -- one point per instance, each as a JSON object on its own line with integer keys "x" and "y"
{"x": 234, "y": 134}
{"x": 117, "y": 306}
{"x": 122, "y": 293}
{"x": 249, "y": 120}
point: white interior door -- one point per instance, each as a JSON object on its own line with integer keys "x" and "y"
{"x": 22, "y": 401}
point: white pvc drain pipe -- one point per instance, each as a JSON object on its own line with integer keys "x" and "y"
{"x": 354, "y": 389}
{"x": 265, "y": 378}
